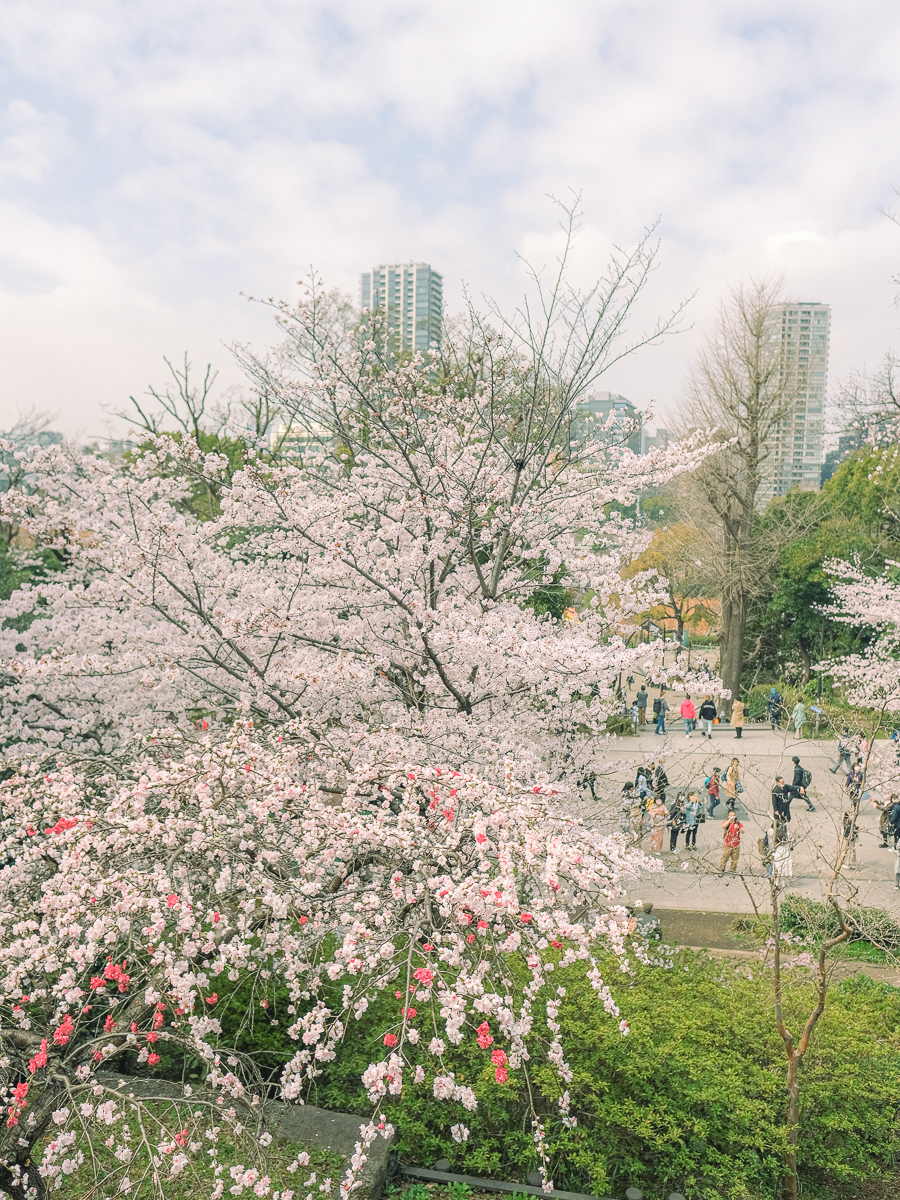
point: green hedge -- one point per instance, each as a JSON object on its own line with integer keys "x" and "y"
{"x": 691, "y": 1100}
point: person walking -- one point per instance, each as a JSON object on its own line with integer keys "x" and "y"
{"x": 707, "y": 715}
{"x": 731, "y": 850}
{"x": 801, "y": 781}
{"x": 712, "y": 788}
{"x": 732, "y": 781}
{"x": 660, "y": 708}
{"x": 693, "y": 815}
{"x": 798, "y": 717}
{"x": 676, "y": 823}
{"x": 658, "y": 814}
{"x": 689, "y": 715}
{"x": 737, "y": 716}
{"x": 773, "y": 705}
{"x": 781, "y": 801}
{"x": 635, "y": 720}
{"x": 845, "y": 744}
{"x": 641, "y": 701}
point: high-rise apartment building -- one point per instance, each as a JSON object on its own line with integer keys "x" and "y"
{"x": 411, "y": 296}
{"x": 797, "y": 451}
{"x": 627, "y": 426}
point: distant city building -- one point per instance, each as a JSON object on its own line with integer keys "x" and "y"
{"x": 294, "y": 441}
{"x": 627, "y": 426}
{"x": 798, "y": 441}
{"x": 412, "y": 297}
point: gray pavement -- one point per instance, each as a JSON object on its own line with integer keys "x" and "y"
{"x": 690, "y": 879}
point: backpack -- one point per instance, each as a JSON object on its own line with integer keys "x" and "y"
{"x": 657, "y": 706}
{"x": 807, "y": 777}
{"x": 706, "y": 781}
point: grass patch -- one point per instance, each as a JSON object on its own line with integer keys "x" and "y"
{"x": 144, "y": 1148}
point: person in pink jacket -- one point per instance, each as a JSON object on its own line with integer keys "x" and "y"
{"x": 689, "y": 713}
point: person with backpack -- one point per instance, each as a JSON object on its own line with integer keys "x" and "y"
{"x": 801, "y": 781}
{"x": 642, "y": 780}
{"x": 641, "y": 701}
{"x": 707, "y": 714}
{"x": 731, "y": 850}
{"x": 693, "y": 815}
{"x": 660, "y": 708}
{"x": 845, "y": 744}
{"x": 732, "y": 781}
{"x": 773, "y": 704}
{"x": 712, "y": 788}
{"x": 688, "y": 715}
{"x": 782, "y": 860}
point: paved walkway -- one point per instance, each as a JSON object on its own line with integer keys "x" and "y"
{"x": 691, "y": 880}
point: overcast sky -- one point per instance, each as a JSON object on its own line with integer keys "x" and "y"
{"x": 159, "y": 157}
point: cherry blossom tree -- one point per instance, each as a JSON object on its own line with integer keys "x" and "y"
{"x": 379, "y": 582}
{"x": 354, "y": 621}
{"x": 136, "y": 896}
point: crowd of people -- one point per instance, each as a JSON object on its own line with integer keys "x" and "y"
{"x": 710, "y": 712}
{"x": 649, "y": 810}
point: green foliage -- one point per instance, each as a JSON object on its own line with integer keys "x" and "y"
{"x": 620, "y": 725}
{"x": 810, "y": 919}
{"x": 854, "y": 516}
{"x": 691, "y": 1100}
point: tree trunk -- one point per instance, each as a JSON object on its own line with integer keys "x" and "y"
{"x": 789, "y": 1187}
{"x": 807, "y": 662}
{"x": 29, "y": 1186}
{"x": 731, "y": 664}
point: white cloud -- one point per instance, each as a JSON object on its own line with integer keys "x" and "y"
{"x": 161, "y": 158}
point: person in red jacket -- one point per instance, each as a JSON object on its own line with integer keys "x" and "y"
{"x": 689, "y": 714}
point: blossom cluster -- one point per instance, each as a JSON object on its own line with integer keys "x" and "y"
{"x": 148, "y": 894}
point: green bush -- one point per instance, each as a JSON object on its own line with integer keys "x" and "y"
{"x": 810, "y": 919}
{"x": 756, "y": 703}
{"x": 620, "y": 725}
{"x": 691, "y": 1100}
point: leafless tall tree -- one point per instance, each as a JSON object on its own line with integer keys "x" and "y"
{"x": 743, "y": 385}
